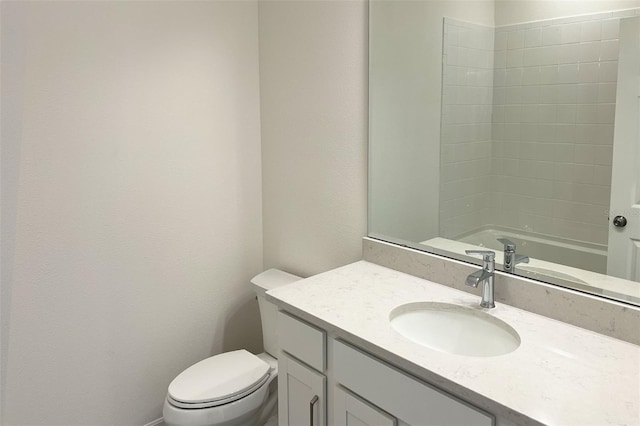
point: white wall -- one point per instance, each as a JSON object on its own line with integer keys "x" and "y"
{"x": 132, "y": 199}
{"x": 517, "y": 11}
{"x": 405, "y": 104}
{"x": 313, "y": 83}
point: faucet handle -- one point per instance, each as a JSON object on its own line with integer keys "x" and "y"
{"x": 487, "y": 255}
{"x": 508, "y": 244}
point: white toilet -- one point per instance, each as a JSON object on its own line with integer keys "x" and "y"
{"x": 232, "y": 388}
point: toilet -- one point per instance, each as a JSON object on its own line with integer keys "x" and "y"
{"x": 237, "y": 387}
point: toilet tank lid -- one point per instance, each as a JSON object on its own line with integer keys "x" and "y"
{"x": 272, "y": 278}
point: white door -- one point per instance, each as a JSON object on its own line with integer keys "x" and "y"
{"x": 301, "y": 394}
{"x": 349, "y": 410}
{"x": 623, "y": 257}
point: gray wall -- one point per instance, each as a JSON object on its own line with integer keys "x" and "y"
{"x": 313, "y": 92}
{"x": 131, "y": 201}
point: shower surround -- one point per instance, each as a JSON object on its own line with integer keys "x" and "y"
{"x": 529, "y": 148}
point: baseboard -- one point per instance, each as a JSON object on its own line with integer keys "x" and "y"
{"x": 156, "y": 422}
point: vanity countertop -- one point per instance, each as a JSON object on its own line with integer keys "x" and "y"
{"x": 559, "y": 375}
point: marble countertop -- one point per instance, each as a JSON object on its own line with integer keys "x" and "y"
{"x": 559, "y": 375}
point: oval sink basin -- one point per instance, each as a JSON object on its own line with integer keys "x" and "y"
{"x": 454, "y": 329}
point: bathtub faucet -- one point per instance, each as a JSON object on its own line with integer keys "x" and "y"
{"x": 511, "y": 259}
{"x": 484, "y": 276}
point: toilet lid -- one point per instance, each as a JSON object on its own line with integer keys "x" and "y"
{"x": 219, "y": 377}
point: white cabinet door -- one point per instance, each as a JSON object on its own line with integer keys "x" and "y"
{"x": 349, "y": 410}
{"x": 623, "y": 258}
{"x": 301, "y": 394}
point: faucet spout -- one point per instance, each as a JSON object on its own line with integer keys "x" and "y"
{"x": 484, "y": 276}
{"x": 474, "y": 279}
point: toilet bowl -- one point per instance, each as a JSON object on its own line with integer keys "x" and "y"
{"x": 232, "y": 388}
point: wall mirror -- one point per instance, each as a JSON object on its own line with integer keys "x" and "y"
{"x": 510, "y": 125}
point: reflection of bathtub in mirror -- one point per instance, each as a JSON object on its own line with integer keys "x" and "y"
{"x": 589, "y": 256}
{"x": 588, "y": 261}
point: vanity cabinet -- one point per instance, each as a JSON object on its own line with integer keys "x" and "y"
{"x": 364, "y": 390}
{"x": 302, "y": 385}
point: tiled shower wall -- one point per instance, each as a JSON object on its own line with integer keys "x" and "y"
{"x": 553, "y": 117}
{"x": 467, "y": 100}
{"x": 552, "y": 131}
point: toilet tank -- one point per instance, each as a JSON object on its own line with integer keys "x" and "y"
{"x": 262, "y": 282}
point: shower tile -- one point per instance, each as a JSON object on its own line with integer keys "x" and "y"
{"x": 566, "y": 93}
{"x": 607, "y": 92}
{"x": 566, "y": 114}
{"x": 565, "y": 133}
{"x": 590, "y": 31}
{"x": 500, "y": 41}
{"x": 604, "y": 134}
{"x": 587, "y": 93}
{"x": 610, "y": 29}
{"x": 587, "y": 113}
{"x": 548, "y": 94}
{"x": 530, "y": 95}
{"x": 514, "y": 77}
{"x": 531, "y": 76}
{"x": 590, "y": 51}
{"x": 568, "y": 53}
{"x": 551, "y": 35}
{"x": 606, "y": 113}
{"x": 545, "y": 113}
{"x": 515, "y": 58}
{"x": 532, "y": 56}
{"x": 515, "y": 39}
{"x": 587, "y": 133}
{"x": 570, "y": 33}
{"x": 602, "y": 175}
{"x": 549, "y": 55}
{"x": 608, "y": 71}
{"x": 530, "y": 114}
{"x": 603, "y": 155}
{"x": 568, "y": 73}
{"x": 609, "y": 50}
{"x": 500, "y": 59}
{"x": 533, "y": 37}
{"x": 584, "y": 154}
{"x": 589, "y": 73}
{"x": 549, "y": 74}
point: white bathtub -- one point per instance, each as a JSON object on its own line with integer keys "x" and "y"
{"x": 591, "y": 257}
{"x": 586, "y": 272}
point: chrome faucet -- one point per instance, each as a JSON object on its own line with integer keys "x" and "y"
{"x": 511, "y": 259}
{"x": 484, "y": 276}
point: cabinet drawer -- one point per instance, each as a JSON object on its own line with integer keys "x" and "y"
{"x": 401, "y": 395}
{"x": 302, "y": 340}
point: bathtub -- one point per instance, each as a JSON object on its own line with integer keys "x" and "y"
{"x": 587, "y": 256}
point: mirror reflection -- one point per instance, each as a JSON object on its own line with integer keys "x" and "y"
{"x": 512, "y": 126}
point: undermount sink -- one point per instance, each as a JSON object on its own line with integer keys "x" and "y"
{"x": 454, "y": 329}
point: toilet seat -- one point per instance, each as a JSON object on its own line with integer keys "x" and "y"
{"x": 218, "y": 380}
